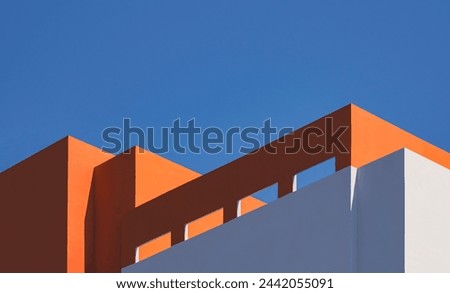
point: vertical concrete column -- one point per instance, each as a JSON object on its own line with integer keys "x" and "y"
{"x": 230, "y": 211}
{"x": 285, "y": 186}
{"x": 177, "y": 235}
{"x": 127, "y": 253}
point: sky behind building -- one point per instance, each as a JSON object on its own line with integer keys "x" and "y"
{"x": 77, "y": 67}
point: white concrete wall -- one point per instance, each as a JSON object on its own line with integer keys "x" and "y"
{"x": 306, "y": 231}
{"x": 427, "y": 215}
{"x": 379, "y": 215}
{"x": 392, "y": 215}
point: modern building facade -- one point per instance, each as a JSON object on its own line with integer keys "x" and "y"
{"x": 73, "y": 208}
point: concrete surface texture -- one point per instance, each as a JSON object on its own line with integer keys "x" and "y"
{"x": 388, "y": 216}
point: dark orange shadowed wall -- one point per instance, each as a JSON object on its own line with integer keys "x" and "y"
{"x": 114, "y": 189}
{"x": 43, "y": 206}
{"x": 67, "y": 202}
{"x": 155, "y": 176}
{"x": 33, "y": 212}
{"x": 121, "y": 184}
{"x": 223, "y": 188}
{"x": 128, "y": 181}
{"x": 365, "y": 139}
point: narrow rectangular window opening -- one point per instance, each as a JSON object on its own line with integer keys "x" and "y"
{"x": 314, "y": 174}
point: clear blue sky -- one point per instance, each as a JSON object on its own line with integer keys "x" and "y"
{"x": 76, "y": 67}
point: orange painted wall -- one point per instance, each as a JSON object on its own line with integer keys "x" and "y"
{"x": 73, "y": 208}
{"x": 367, "y": 138}
{"x": 114, "y": 189}
{"x": 249, "y": 204}
{"x": 121, "y": 184}
{"x": 67, "y": 203}
{"x": 126, "y": 182}
{"x": 82, "y": 158}
{"x": 224, "y": 187}
{"x": 205, "y": 223}
{"x": 215, "y": 219}
{"x": 156, "y": 175}
{"x": 373, "y": 138}
{"x": 154, "y": 246}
